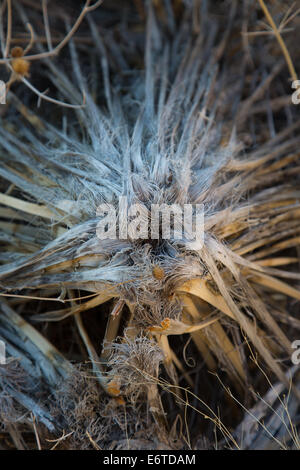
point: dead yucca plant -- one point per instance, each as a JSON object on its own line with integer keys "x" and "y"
{"x": 167, "y": 134}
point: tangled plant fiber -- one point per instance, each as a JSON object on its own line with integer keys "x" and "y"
{"x": 186, "y": 125}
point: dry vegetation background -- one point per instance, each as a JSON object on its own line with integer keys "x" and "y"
{"x": 206, "y": 362}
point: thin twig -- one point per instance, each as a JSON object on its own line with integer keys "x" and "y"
{"x": 46, "y": 24}
{"x": 29, "y": 46}
{"x": 41, "y": 95}
{"x": 43, "y": 55}
{"x": 8, "y": 33}
{"x": 280, "y": 40}
{"x": 36, "y": 432}
{"x": 94, "y": 444}
{"x": 62, "y": 438}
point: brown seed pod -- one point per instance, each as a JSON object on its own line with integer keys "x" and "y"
{"x": 158, "y": 272}
{"x": 17, "y": 52}
{"x": 21, "y": 67}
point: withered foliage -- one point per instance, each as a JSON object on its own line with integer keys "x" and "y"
{"x": 134, "y": 343}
